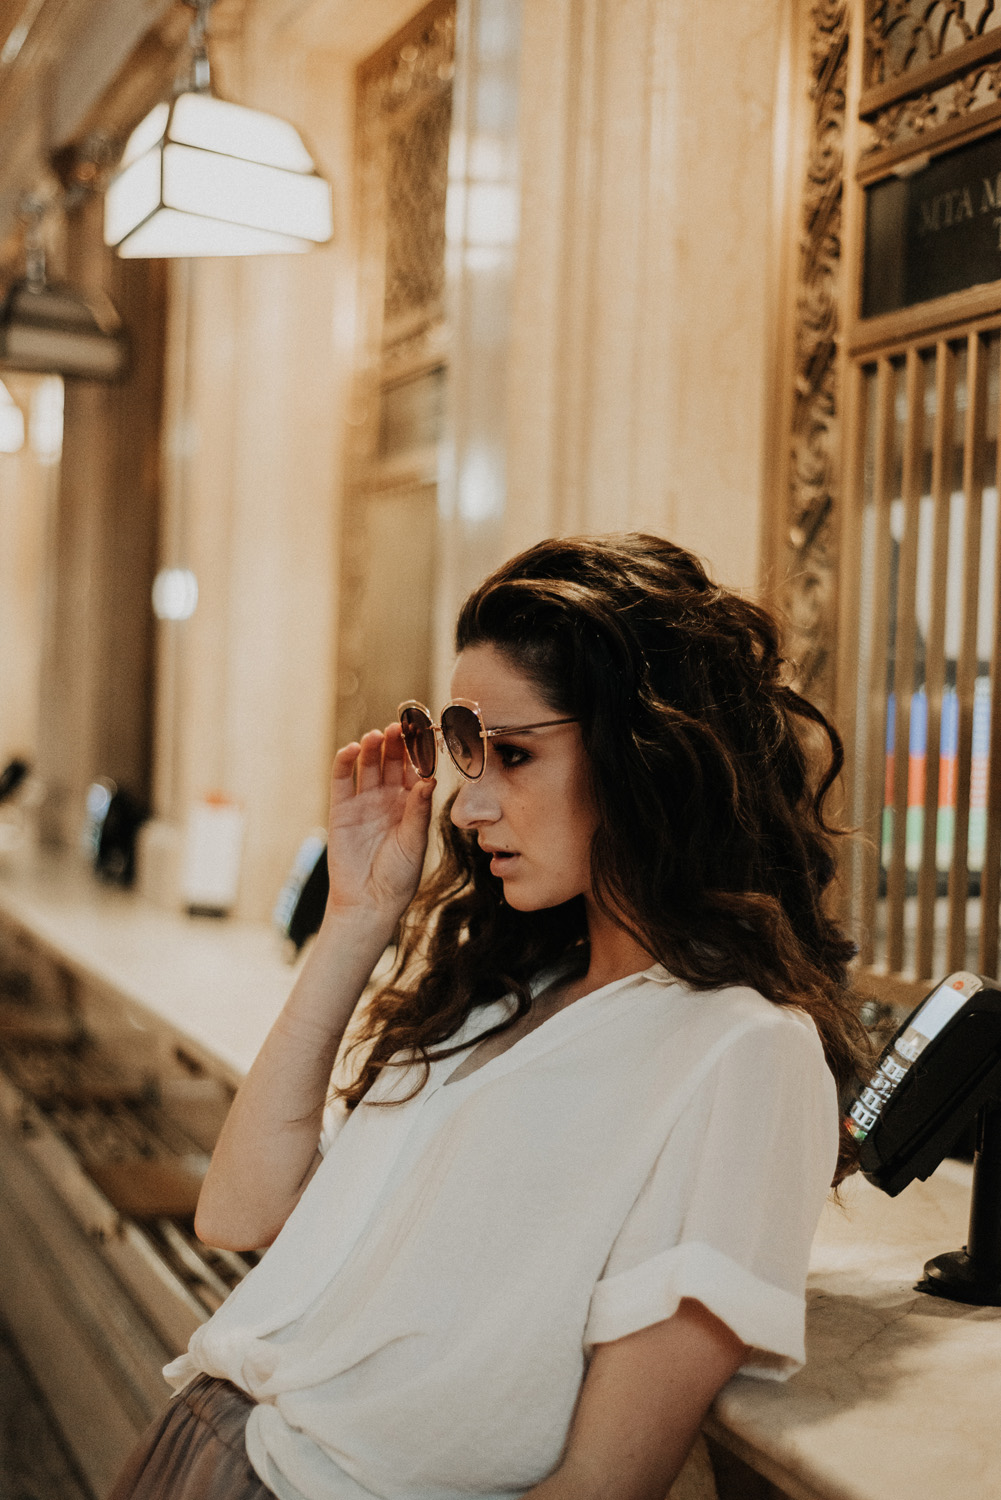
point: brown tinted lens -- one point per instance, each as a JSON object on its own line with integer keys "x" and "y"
{"x": 418, "y": 736}
{"x": 461, "y": 730}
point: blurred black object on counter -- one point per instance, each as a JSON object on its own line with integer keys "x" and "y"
{"x": 12, "y": 777}
{"x": 113, "y": 819}
{"x": 302, "y": 899}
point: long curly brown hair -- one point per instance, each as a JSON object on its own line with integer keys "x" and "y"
{"x": 709, "y": 775}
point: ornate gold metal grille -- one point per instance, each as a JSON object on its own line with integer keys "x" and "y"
{"x": 928, "y": 67}
{"x": 908, "y": 34}
{"x": 415, "y": 229}
{"x": 913, "y": 119}
{"x": 404, "y": 116}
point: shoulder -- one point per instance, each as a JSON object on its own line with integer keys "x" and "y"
{"x": 733, "y": 1027}
{"x": 729, "y": 1011}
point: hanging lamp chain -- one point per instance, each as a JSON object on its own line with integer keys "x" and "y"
{"x": 199, "y": 76}
{"x": 33, "y": 210}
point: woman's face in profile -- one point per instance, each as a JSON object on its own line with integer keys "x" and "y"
{"x": 532, "y": 809}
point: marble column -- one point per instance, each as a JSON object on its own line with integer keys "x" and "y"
{"x": 481, "y": 250}
{"x": 645, "y": 294}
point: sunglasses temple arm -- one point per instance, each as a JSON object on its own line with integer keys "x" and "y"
{"x": 524, "y": 728}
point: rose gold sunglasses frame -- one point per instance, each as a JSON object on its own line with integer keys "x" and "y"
{"x": 485, "y": 733}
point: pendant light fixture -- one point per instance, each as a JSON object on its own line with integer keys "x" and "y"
{"x": 201, "y": 176}
{"x": 52, "y": 328}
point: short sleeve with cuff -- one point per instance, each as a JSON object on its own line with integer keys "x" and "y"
{"x": 716, "y": 1219}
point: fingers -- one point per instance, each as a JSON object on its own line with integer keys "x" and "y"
{"x": 378, "y": 759}
{"x": 394, "y": 757}
{"x": 342, "y": 773}
{"x": 369, "y": 770}
{"x": 416, "y": 820}
{"x": 409, "y": 776}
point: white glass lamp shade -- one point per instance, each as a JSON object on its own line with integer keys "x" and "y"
{"x": 201, "y": 176}
{"x": 55, "y": 331}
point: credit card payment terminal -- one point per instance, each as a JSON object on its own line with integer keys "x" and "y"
{"x": 942, "y": 1069}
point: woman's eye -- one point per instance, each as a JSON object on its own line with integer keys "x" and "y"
{"x": 512, "y": 755}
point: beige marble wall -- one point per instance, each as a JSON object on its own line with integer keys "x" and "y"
{"x": 640, "y": 343}
{"x": 610, "y": 252}
{"x": 609, "y": 269}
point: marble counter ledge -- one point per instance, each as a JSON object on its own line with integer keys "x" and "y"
{"x": 218, "y": 983}
{"x": 901, "y": 1394}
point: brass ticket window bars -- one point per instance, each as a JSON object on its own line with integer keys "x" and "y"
{"x": 926, "y": 773}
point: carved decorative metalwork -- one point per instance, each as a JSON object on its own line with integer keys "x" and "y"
{"x": 811, "y": 555}
{"x": 415, "y": 230}
{"x": 405, "y": 116}
{"x": 906, "y": 34}
{"x": 910, "y": 119}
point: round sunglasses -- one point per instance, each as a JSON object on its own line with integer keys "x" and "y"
{"x": 463, "y": 733}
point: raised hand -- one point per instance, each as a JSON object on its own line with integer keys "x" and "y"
{"x": 267, "y": 1151}
{"x": 380, "y": 812}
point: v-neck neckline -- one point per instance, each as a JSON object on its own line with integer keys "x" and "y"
{"x": 549, "y": 1032}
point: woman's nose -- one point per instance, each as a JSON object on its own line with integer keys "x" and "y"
{"x": 474, "y": 804}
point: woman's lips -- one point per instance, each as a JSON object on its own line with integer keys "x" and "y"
{"x": 501, "y": 861}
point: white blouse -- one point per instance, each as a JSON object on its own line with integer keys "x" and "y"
{"x": 419, "y": 1330}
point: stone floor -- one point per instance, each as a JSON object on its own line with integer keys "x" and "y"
{"x": 34, "y": 1464}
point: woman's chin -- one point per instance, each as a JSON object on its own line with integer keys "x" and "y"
{"x": 527, "y": 900}
{"x": 521, "y": 900}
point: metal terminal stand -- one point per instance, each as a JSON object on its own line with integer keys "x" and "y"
{"x": 973, "y": 1274}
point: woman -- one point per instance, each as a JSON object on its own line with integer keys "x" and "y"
{"x": 571, "y": 1185}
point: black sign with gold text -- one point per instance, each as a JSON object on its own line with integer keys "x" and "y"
{"x": 934, "y": 232}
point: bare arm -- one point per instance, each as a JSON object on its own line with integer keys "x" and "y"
{"x": 641, "y": 1406}
{"x": 267, "y": 1150}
